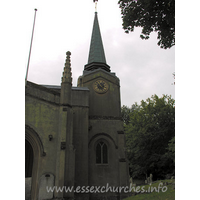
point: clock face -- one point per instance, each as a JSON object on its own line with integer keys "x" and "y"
{"x": 100, "y": 86}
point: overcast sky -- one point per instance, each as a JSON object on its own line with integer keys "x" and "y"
{"x": 142, "y": 66}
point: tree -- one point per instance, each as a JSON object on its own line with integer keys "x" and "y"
{"x": 125, "y": 112}
{"x": 148, "y": 137}
{"x": 151, "y": 15}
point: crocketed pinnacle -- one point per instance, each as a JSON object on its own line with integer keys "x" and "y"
{"x": 67, "y": 75}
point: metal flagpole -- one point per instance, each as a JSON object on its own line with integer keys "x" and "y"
{"x": 30, "y": 49}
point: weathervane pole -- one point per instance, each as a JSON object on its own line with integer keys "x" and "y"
{"x": 95, "y": 1}
{"x": 30, "y": 49}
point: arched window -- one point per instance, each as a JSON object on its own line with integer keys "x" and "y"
{"x": 101, "y": 153}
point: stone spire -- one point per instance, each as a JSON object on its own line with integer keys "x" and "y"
{"x": 96, "y": 57}
{"x": 67, "y": 75}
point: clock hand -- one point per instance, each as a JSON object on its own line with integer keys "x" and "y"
{"x": 102, "y": 84}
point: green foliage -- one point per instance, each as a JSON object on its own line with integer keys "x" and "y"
{"x": 171, "y": 146}
{"x": 149, "y": 134}
{"x": 151, "y": 15}
{"x": 170, "y": 154}
{"x": 125, "y": 112}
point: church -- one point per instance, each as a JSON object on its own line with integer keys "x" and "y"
{"x": 74, "y": 136}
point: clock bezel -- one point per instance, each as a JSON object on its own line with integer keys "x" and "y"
{"x": 98, "y": 90}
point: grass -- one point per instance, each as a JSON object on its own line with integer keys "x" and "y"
{"x": 165, "y": 192}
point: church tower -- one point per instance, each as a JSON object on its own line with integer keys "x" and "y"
{"x": 107, "y": 165}
{"x": 103, "y": 84}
